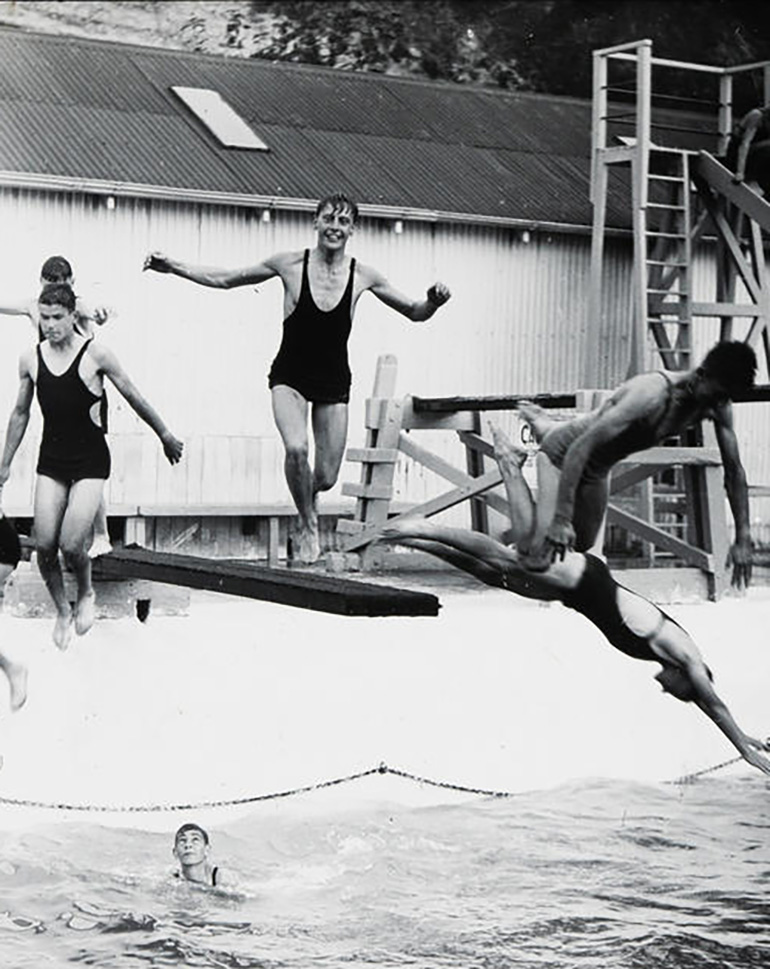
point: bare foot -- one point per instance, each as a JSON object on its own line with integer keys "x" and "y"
{"x": 506, "y": 452}
{"x": 404, "y": 528}
{"x": 85, "y": 612}
{"x": 100, "y": 546}
{"x": 62, "y": 631}
{"x": 537, "y": 418}
{"x": 307, "y": 547}
{"x": 17, "y": 680}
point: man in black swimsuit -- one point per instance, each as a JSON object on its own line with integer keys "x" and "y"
{"x": 68, "y": 372}
{"x": 577, "y": 456}
{"x": 57, "y": 269}
{"x": 321, "y": 289}
{"x": 631, "y": 623}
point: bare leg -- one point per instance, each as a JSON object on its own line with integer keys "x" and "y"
{"x": 589, "y": 515}
{"x": 50, "y": 504}
{"x": 17, "y": 681}
{"x": 510, "y": 459}
{"x": 538, "y": 556}
{"x": 290, "y": 410}
{"x": 473, "y": 544}
{"x": 330, "y": 433}
{"x": 101, "y": 544}
{"x": 460, "y": 560}
{"x": 74, "y": 539}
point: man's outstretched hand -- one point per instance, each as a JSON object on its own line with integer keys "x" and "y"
{"x": 740, "y": 557}
{"x": 560, "y": 538}
{"x": 438, "y": 294}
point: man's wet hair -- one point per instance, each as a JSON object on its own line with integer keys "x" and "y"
{"x": 10, "y": 547}
{"x": 56, "y": 269}
{"x": 58, "y": 294}
{"x": 733, "y": 364}
{"x": 338, "y": 203}
{"x": 190, "y": 826}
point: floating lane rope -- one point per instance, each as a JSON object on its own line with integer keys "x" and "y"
{"x": 382, "y": 768}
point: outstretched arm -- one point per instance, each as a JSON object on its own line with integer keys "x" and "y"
{"x": 717, "y": 710}
{"x": 673, "y": 645}
{"x": 210, "y": 275}
{"x": 110, "y": 367}
{"x": 26, "y": 308}
{"x": 740, "y": 554}
{"x": 18, "y": 421}
{"x": 749, "y": 127}
{"x": 416, "y": 310}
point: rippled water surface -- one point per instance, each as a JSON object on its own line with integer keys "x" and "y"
{"x": 596, "y": 874}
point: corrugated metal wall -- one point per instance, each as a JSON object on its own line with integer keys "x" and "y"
{"x": 515, "y": 324}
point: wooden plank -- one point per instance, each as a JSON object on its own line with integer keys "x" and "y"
{"x": 354, "y": 489}
{"x": 740, "y": 195}
{"x": 697, "y": 456}
{"x": 725, "y": 309}
{"x": 372, "y": 455}
{"x": 449, "y": 405}
{"x": 304, "y": 590}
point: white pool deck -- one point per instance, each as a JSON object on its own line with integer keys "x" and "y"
{"x": 241, "y": 698}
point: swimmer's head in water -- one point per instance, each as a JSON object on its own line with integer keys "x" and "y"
{"x": 190, "y": 827}
{"x": 191, "y": 845}
{"x": 10, "y": 548}
{"x": 678, "y": 683}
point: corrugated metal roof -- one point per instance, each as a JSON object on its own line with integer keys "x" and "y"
{"x": 104, "y": 112}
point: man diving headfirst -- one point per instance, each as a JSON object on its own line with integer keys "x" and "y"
{"x": 581, "y": 582}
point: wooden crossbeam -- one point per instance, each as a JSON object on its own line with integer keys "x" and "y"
{"x": 433, "y": 506}
{"x": 304, "y": 590}
{"x": 721, "y": 178}
{"x": 689, "y": 553}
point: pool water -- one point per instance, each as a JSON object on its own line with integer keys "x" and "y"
{"x": 589, "y": 874}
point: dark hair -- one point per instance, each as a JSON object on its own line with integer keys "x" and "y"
{"x": 191, "y": 827}
{"x": 733, "y": 364}
{"x": 10, "y": 547}
{"x": 56, "y": 269}
{"x": 337, "y": 202}
{"x": 58, "y": 294}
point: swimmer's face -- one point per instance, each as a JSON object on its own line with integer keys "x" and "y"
{"x": 711, "y": 391}
{"x": 56, "y": 322}
{"x": 190, "y": 848}
{"x": 334, "y": 225}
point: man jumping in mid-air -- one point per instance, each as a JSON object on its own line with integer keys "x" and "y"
{"x": 576, "y": 457}
{"x": 321, "y": 289}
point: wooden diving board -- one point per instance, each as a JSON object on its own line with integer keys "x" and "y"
{"x": 288, "y": 587}
{"x": 451, "y": 405}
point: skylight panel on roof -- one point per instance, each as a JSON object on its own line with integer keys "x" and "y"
{"x": 227, "y": 126}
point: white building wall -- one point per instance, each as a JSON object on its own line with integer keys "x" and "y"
{"x": 515, "y": 324}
